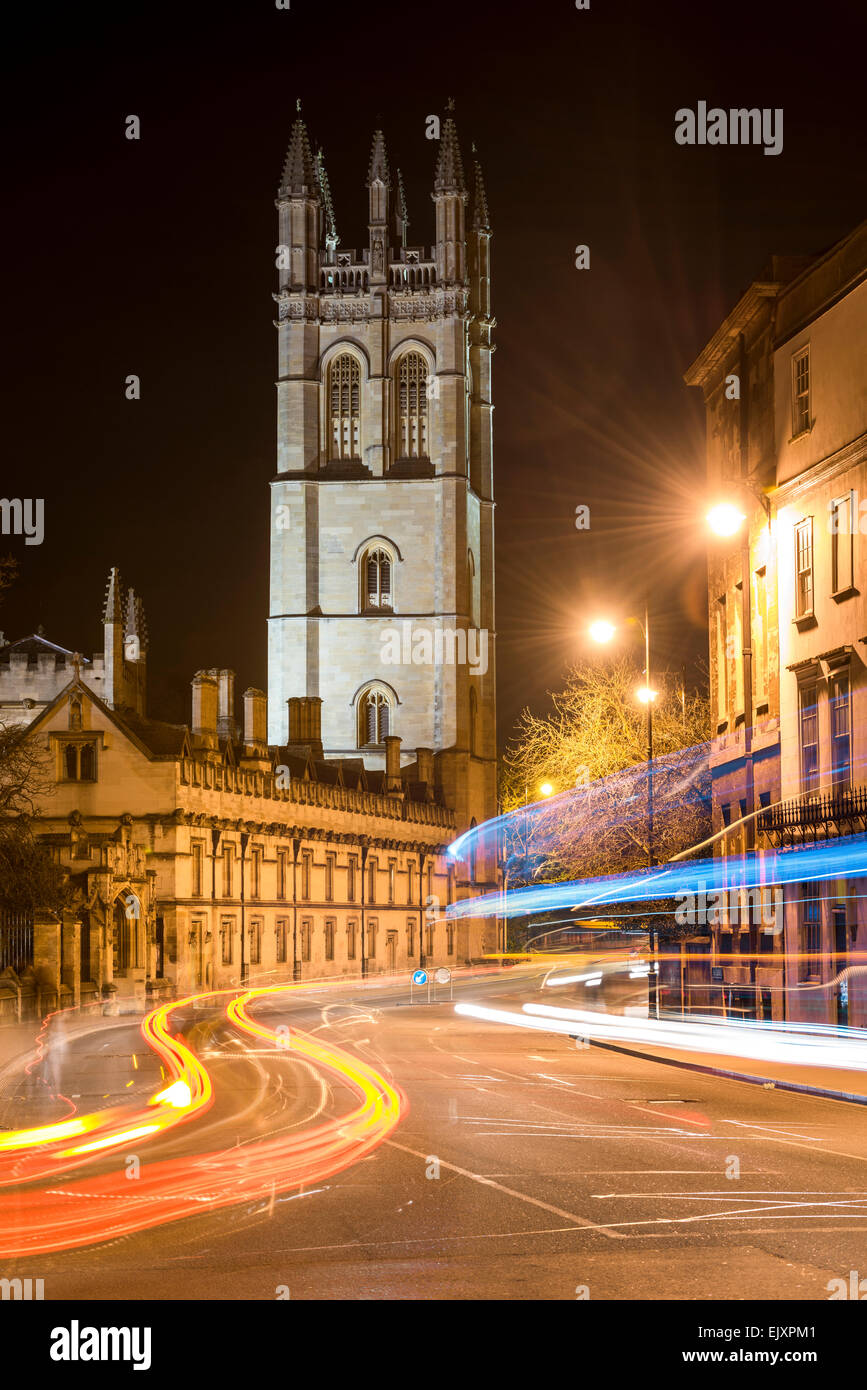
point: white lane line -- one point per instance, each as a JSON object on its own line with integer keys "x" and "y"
{"x": 510, "y": 1192}
{"x": 770, "y": 1129}
{"x": 793, "y": 1143}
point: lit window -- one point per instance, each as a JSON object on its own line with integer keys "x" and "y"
{"x": 412, "y": 407}
{"x": 344, "y": 388}
{"x": 804, "y": 568}
{"x": 801, "y": 391}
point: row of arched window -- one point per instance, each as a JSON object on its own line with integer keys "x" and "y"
{"x": 344, "y": 407}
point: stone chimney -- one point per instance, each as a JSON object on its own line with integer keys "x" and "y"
{"x": 255, "y": 721}
{"x": 425, "y": 762}
{"x": 226, "y": 726}
{"x": 305, "y": 723}
{"x": 393, "y": 782}
{"x": 205, "y": 709}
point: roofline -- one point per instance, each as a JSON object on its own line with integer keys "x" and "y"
{"x": 719, "y": 346}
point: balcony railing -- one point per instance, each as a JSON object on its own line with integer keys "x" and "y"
{"x": 842, "y": 811}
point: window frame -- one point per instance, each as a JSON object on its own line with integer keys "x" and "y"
{"x": 804, "y": 527}
{"x": 802, "y": 421}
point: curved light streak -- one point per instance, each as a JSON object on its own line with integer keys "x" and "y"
{"x": 88, "y": 1211}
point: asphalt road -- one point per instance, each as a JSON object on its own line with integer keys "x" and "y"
{"x": 525, "y": 1168}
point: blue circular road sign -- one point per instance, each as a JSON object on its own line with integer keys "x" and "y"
{"x": 419, "y": 977}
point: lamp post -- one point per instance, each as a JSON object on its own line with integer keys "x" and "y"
{"x": 602, "y": 631}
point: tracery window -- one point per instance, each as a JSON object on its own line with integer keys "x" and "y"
{"x": 374, "y": 717}
{"x": 344, "y": 389}
{"x": 412, "y": 438}
{"x": 376, "y": 578}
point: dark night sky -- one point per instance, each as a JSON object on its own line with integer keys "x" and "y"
{"x": 157, "y": 258}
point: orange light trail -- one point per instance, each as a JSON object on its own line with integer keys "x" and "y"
{"x": 87, "y": 1211}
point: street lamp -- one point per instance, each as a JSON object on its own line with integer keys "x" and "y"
{"x": 602, "y": 631}
{"x": 725, "y": 519}
{"x": 546, "y": 789}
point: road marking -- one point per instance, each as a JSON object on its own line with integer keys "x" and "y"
{"x": 510, "y": 1192}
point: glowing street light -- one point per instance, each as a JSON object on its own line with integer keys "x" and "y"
{"x": 725, "y": 519}
{"x": 646, "y": 695}
{"x": 602, "y": 631}
{"x": 546, "y": 789}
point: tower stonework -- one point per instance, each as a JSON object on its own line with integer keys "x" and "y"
{"x": 382, "y": 526}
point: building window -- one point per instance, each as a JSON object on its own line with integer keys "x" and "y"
{"x": 801, "y": 391}
{"x": 351, "y": 871}
{"x": 344, "y": 390}
{"x": 371, "y": 880}
{"x": 376, "y": 573}
{"x": 159, "y": 945}
{"x": 305, "y": 875}
{"x": 197, "y": 850}
{"x": 256, "y": 942}
{"x": 472, "y": 606}
{"x": 429, "y": 893}
{"x": 804, "y": 568}
{"x": 721, "y": 659}
{"x": 374, "y": 718}
{"x": 811, "y": 930}
{"x": 412, "y": 407}
{"x": 429, "y": 948}
{"x": 351, "y": 929}
{"x": 228, "y": 855}
{"x": 839, "y": 704}
{"x": 79, "y": 762}
{"x": 760, "y": 635}
{"x": 75, "y": 714}
{"x": 371, "y": 940}
{"x": 450, "y": 939}
{"x": 256, "y": 872}
{"x": 842, "y": 541}
{"x": 227, "y": 934}
{"x": 410, "y": 882}
{"x": 809, "y": 717}
{"x": 329, "y": 940}
{"x": 329, "y": 878}
{"x": 281, "y": 873}
{"x": 306, "y": 935}
{"x": 392, "y": 878}
{"x": 281, "y": 933}
{"x": 410, "y": 938}
{"x": 474, "y": 715}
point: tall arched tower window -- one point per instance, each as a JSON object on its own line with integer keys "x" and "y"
{"x": 374, "y": 717}
{"x": 344, "y": 378}
{"x": 412, "y": 407}
{"x": 376, "y": 578}
{"x": 471, "y": 590}
{"x": 474, "y": 721}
